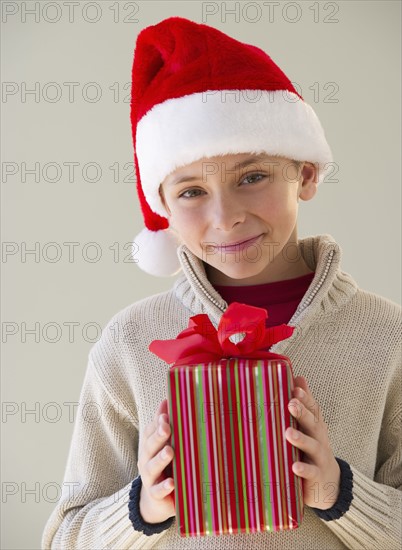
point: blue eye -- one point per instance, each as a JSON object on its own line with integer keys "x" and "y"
{"x": 253, "y": 176}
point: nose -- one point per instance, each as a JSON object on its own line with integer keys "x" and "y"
{"x": 227, "y": 213}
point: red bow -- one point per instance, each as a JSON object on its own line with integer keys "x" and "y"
{"x": 202, "y": 343}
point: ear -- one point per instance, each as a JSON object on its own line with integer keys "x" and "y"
{"x": 308, "y": 181}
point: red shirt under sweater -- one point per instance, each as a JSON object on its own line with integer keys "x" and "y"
{"x": 280, "y": 298}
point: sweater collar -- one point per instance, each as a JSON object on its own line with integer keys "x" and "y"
{"x": 329, "y": 290}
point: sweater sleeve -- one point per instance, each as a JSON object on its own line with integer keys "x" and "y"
{"x": 102, "y": 463}
{"x": 374, "y": 518}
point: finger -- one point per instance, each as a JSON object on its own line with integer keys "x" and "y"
{"x": 162, "y": 408}
{"x": 151, "y": 427}
{"x": 316, "y": 493}
{"x": 154, "y": 468}
{"x": 310, "y": 446}
{"x": 309, "y": 424}
{"x": 307, "y": 399}
{"x": 301, "y": 382}
{"x": 155, "y": 435}
{"x": 302, "y": 391}
{"x": 154, "y": 443}
{"x": 160, "y": 490}
{"x": 310, "y": 420}
{"x": 306, "y": 471}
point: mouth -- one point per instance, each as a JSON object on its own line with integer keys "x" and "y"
{"x": 239, "y": 244}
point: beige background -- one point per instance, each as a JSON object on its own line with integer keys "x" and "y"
{"x": 347, "y": 51}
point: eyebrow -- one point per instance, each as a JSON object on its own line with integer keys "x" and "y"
{"x": 237, "y": 166}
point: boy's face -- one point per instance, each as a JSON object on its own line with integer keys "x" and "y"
{"x": 227, "y": 200}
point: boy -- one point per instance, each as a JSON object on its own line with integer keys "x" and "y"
{"x": 220, "y": 173}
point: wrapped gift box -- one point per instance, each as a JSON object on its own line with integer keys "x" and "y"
{"x": 232, "y": 465}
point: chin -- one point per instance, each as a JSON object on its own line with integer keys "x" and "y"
{"x": 238, "y": 271}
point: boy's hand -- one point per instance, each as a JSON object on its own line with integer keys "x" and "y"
{"x": 156, "y": 501}
{"x": 320, "y": 471}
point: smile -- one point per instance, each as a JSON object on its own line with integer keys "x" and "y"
{"x": 240, "y": 245}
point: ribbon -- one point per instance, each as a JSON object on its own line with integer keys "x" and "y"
{"x": 201, "y": 342}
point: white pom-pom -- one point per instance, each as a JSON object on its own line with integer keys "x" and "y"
{"x": 155, "y": 252}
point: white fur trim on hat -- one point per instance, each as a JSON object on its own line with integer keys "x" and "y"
{"x": 183, "y": 130}
{"x": 155, "y": 252}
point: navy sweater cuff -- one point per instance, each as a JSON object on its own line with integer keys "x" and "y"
{"x": 345, "y": 495}
{"x": 135, "y": 516}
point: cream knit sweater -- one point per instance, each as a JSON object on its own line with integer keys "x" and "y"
{"x": 346, "y": 344}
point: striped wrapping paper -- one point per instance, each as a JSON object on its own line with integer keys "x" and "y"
{"x": 232, "y": 463}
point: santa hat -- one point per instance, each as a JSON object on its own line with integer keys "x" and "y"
{"x": 197, "y": 92}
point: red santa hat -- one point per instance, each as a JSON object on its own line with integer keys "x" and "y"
{"x": 197, "y": 92}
